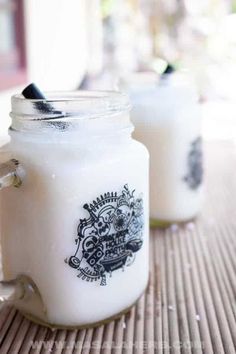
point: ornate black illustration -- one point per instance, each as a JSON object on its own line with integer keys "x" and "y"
{"x": 195, "y": 169}
{"x": 109, "y": 238}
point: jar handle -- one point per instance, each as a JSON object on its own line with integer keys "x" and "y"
{"x": 10, "y": 291}
{"x": 17, "y": 289}
{"x": 11, "y": 174}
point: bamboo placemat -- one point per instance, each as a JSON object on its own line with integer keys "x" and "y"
{"x": 189, "y": 305}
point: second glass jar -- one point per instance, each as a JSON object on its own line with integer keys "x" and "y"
{"x": 167, "y": 119}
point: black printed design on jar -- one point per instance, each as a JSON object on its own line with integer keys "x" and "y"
{"x": 110, "y": 237}
{"x": 194, "y": 175}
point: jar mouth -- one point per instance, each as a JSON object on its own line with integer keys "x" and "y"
{"x": 72, "y": 104}
{"x": 76, "y": 113}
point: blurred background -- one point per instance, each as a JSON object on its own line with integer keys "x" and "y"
{"x": 66, "y": 45}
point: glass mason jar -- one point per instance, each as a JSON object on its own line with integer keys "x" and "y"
{"x": 167, "y": 119}
{"x": 75, "y": 231}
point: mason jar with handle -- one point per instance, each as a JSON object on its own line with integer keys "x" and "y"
{"x": 75, "y": 213}
{"x": 167, "y": 119}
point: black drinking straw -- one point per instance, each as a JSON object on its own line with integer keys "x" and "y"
{"x": 33, "y": 92}
{"x": 169, "y": 69}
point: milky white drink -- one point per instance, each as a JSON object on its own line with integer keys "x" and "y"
{"x": 77, "y": 227}
{"x": 167, "y": 120}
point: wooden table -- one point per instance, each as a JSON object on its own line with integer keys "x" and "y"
{"x": 189, "y": 305}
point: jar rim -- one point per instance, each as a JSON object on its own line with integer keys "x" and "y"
{"x": 76, "y": 95}
{"x": 70, "y": 112}
{"x": 79, "y": 104}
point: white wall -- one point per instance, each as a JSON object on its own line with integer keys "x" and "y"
{"x": 56, "y": 48}
{"x": 56, "y": 39}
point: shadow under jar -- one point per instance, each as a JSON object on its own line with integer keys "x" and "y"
{"x": 75, "y": 232}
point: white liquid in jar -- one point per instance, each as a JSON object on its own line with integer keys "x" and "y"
{"x": 40, "y": 223}
{"x": 167, "y": 121}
